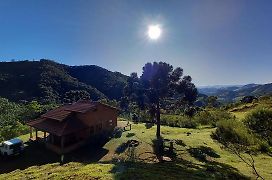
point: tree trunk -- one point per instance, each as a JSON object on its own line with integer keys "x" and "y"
{"x": 158, "y": 116}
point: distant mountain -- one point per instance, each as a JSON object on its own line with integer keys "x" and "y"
{"x": 211, "y": 90}
{"x": 232, "y": 93}
{"x": 47, "y": 80}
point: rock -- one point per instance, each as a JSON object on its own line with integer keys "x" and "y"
{"x": 166, "y": 159}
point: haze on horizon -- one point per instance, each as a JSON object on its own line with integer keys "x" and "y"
{"x": 215, "y": 42}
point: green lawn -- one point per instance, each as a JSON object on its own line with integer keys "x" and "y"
{"x": 103, "y": 161}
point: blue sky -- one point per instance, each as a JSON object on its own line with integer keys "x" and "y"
{"x": 216, "y": 42}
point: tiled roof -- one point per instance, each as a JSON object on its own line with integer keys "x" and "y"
{"x": 58, "y": 114}
{"x": 81, "y": 107}
{"x": 63, "y": 112}
{"x": 56, "y": 127}
{"x": 62, "y": 120}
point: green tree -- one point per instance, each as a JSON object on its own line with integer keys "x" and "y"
{"x": 10, "y": 125}
{"x": 75, "y": 95}
{"x": 158, "y": 82}
{"x": 212, "y": 101}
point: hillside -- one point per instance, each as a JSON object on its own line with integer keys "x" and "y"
{"x": 109, "y": 83}
{"x": 46, "y": 80}
{"x": 232, "y": 93}
{"x": 110, "y": 160}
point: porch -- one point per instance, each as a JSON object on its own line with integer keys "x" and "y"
{"x": 60, "y": 137}
{"x": 59, "y": 144}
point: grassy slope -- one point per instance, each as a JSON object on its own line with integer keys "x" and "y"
{"x": 242, "y": 110}
{"x": 67, "y": 171}
{"x": 186, "y": 166}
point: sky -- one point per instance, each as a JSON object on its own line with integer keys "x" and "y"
{"x": 215, "y": 42}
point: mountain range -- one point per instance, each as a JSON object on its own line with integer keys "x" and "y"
{"x": 46, "y": 80}
{"x": 232, "y": 93}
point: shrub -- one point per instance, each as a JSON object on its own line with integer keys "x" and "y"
{"x": 260, "y": 122}
{"x": 232, "y": 131}
{"x": 212, "y": 117}
{"x": 117, "y": 132}
{"x": 237, "y": 138}
{"x": 11, "y": 131}
{"x": 130, "y": 135}
{"x": 178, "y": 121}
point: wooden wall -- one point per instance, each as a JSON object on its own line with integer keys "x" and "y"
{"x": 103, "y": 119}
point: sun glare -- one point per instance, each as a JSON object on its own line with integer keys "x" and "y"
{"x": 154, "y": 32}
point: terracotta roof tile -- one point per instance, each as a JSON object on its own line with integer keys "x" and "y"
{"x": 56, "y": 127}
{"x": 80, "y": 107}
{"x": 58, "y": 114}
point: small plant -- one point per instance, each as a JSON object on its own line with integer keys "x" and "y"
{"x": 130, "y": 135}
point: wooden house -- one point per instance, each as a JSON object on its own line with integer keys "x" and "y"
{"x": 71, "y": 126}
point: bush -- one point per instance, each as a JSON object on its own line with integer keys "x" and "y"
{"x": 212, "y": 117}
{"x": 233, "y": 132}
{"x": 178, "y": 121}
{"x": 201, "y": 153}
{"x": 11, "y": 131}
{"x": 260, "y": 122}
{"x": 117, "y": 132}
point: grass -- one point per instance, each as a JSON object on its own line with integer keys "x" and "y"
{"x": 71, "y": 170}
{"x": 103, "y": 162}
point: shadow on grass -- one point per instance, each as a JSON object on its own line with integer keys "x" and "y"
{"x": 203, "y": 153}
{"x": 179, "y": 169}
{"x": 36, "y": 154}
{"x": 180, "y": 142}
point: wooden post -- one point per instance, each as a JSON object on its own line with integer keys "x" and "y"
{"x": 52, "y": 138}
{"x": 171, "y": 147}
{"x": 30, "y": 134}
{"x": 44, "y": 136}
{"x": 36, "y": 134}
{"x": 62, "y": 143}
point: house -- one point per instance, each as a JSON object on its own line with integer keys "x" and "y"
{"x": 70, "y": 126}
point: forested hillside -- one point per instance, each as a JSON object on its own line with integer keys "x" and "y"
{"x": 46, "y": 80}
{"x": 109, "y": 83}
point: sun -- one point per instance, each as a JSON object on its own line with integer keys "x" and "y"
{"x": 154, "y": 32}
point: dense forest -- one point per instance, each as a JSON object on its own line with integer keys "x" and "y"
{"x": 48, "y": 81}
